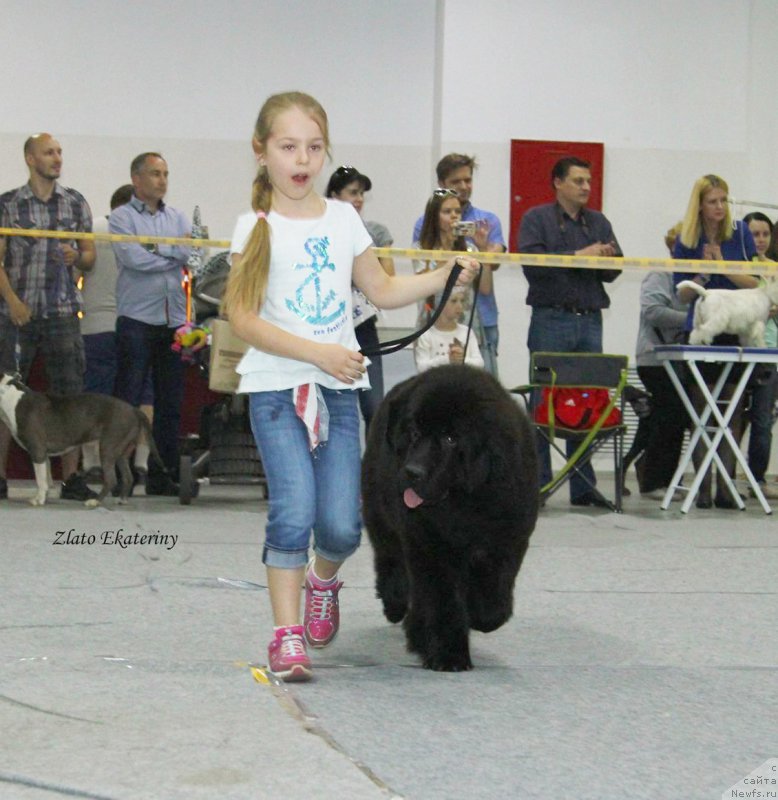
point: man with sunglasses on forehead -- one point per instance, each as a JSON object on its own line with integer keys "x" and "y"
{"x": 455, "y": 172}
{"x": 567, "y": 303}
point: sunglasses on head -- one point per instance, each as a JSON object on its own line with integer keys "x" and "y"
{"x": 444, "y": 193}
{"x": 346, "y": 170}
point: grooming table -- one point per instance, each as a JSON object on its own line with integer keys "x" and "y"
{"x": 711, "y": 420}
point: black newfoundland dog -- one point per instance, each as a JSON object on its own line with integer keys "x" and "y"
{"x": 450, "y": 499}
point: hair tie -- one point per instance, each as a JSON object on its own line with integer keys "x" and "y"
{"x": 261, "y": 214}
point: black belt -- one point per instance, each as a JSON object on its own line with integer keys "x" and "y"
{"x": 573, "y": 310}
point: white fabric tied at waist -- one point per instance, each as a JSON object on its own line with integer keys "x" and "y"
{"x": 310, "y": 407}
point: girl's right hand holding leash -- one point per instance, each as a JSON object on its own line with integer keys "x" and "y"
{"x": 340, "y": 362}
{"x": 469, "y": 269}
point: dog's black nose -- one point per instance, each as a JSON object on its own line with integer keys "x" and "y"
{"x": 415, "y": 471}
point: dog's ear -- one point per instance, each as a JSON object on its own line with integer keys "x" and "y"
{"x": 397, "y": 423}
{"x": 398, "y": 418}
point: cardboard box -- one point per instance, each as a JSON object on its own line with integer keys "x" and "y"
{"x": 226, "y": 351}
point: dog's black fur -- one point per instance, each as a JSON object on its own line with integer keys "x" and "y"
{"x": 454, "y": 444}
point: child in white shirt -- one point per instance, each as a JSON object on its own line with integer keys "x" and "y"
{"x": 444, "y": 342}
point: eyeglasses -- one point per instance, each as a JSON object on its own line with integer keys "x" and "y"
{"x": 444, "y": 193}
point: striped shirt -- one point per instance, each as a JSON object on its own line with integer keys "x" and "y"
{"x": 35, "y": 267}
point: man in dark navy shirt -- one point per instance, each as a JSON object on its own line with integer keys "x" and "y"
{"x": 567, "y": 303}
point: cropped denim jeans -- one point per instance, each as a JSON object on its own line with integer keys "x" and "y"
{"x": 310, "y": 492}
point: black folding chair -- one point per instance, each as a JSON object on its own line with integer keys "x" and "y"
{"x": 580, "y": 371}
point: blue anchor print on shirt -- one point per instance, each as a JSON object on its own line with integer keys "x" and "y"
{"x": 310, "y": 305}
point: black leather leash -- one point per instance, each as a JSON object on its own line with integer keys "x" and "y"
{"x": 387, "y": 348}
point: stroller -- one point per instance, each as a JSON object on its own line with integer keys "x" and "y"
{"x": 224, "y": 450}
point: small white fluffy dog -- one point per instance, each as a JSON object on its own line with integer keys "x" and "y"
{"x": 740, "y": 311}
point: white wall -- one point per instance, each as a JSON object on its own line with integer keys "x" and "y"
{"x": 673, "y": 89}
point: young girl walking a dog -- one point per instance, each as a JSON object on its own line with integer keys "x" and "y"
{"x": 294, "y": 257}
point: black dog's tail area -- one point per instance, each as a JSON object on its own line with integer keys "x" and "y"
{"x": 146, "y": 428}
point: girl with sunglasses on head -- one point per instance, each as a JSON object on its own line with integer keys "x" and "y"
{"x": 439, "y": 232}
{"x": 349, "y": 184}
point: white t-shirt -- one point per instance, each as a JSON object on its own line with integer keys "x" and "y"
{"x": 308, "y": 292}
{"x": 431, "y": 348}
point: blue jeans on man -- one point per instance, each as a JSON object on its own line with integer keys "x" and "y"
{"x": 553, "y": 330}
{"x": 142, "y": 348}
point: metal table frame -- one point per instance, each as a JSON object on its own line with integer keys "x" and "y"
{"x": 749, "y": 357}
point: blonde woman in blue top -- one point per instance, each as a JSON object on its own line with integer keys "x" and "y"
{"x": 708, "y": 234}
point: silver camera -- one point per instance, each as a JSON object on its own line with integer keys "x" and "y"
{"x": 462, "y": 228}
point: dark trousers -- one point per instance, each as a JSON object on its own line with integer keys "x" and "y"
{"x": 666, "y": 427}
{"x": 555, "y": 331}
{"x": 143, "y": 348}
{"x": 369, "y": 399}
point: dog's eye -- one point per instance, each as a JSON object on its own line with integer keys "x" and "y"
{"x": 450, "y": 439}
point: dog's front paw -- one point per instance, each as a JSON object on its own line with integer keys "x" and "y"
{"x": 122, "y": 501}
{"x": 93, "y": 502}
{"x": 38, "y": 500}
{"x": 448, "y": 662}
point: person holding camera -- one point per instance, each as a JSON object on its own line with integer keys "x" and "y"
{"x": 567, "y": 303}
{"x": 442, "y": 230}
{"x": 483, "y": 232}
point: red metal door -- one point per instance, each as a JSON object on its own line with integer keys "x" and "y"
{"x": 531, "y": 164}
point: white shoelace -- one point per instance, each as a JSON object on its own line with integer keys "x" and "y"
{"x": 322, "y": 603}
{"x": 292, "y": 645}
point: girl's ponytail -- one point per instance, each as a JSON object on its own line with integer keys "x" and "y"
{"x": 247, "y": 282}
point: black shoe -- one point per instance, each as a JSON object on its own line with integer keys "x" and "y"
{"x": 164, "y": 487}
{"x": 703, "y": 502}
{"x": 75, "y": 488}
{"x": 590, "y": 499}
{"x": 725, "y": 502}
{"x": 3, "y": 489}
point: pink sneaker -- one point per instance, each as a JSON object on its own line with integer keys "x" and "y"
{"x": 322, "y": 614}
{"x": 287, "y": 657}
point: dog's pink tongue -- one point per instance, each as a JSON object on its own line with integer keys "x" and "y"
{"x": 411, "y": 499}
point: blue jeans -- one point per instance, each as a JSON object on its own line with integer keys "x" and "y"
{"x": 489, "y": 346}
{"x": 100, "y": 352}
{"x": 309, "y": 491}
{"x": 142, "y": 348}
{"x": 553, "y": 330}
{"x": 761, "y": 417}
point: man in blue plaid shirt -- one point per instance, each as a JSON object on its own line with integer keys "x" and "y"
{"x": 39, "y": 302}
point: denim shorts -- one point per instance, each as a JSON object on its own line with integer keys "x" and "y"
{"x": 311, "y": 493}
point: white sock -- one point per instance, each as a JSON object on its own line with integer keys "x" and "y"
{"x": 142, "y": 456}
{"x": 322, "y": 581}
{"x": 90, "y": 455}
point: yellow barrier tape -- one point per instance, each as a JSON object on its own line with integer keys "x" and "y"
{"x": 115, "y": 237}
{"x": 526, "y": 259}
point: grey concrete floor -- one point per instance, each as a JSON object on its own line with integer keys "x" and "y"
{"x": 641, "y": 662}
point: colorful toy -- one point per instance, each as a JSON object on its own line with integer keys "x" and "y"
{"x": 189, "y": 339}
